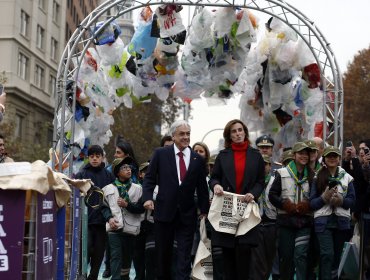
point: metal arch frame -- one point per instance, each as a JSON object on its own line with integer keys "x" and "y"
{"x": 81, "y": 39}
{"x": 301, "y": 24}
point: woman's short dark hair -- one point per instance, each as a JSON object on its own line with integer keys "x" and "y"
{"x": 227, "y": 131}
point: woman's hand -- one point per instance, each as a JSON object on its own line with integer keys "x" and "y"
{"x": 248, "y": 197}
{"x": 218, "y": 190}
{"x": 113, "y": 223}
{"x": 328, "y": 194}
{"x": 121, "y": 202}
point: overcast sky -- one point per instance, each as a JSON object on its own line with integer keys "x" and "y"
{"x": 344, "y": 24}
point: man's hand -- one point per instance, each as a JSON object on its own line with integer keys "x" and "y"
{"x": 218, "y": 190}
{"x": 149, "y": 205}
{"x": 113, "y": 223}
{"x": 248, "y": 198}
{"x": 121, "y": 202}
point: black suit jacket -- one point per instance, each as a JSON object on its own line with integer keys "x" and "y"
{"x": 223, "y": 173}
{"x": 162, "y": 171}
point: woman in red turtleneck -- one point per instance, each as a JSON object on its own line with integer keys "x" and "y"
{"x": 239, "y": 169}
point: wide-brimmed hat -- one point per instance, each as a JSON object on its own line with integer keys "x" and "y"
{"x": 331, "y": 150}
{"x": 118, "y": 162}
{"x": 299, "y": 146}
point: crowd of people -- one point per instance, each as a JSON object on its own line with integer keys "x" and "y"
{"x": 309, "y": 201}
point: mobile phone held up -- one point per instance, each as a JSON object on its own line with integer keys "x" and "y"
{"x": 349, "y": 144}
{"x": 1, "y": 89}
{"x": 366, "y": 150}
{"x": 332, "y": 184}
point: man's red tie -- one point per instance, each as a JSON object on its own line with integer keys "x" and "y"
{"x": 182, "y": 166}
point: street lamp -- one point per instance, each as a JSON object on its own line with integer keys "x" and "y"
{"x": 205, "y": 135}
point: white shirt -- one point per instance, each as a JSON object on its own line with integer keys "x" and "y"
{"x": 186, "y": 156}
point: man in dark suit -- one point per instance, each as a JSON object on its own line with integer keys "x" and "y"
{"x": 178, "y": 172}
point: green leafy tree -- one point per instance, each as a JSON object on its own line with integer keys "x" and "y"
{"x": 141, "y": 125}
{"x": 23, "y": 149}
{"x": 356, "y": 83}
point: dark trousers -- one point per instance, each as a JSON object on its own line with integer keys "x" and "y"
{"x": 165, "y": 234}
{"x": 107, "y": 255}
{"x": 122, "y": 250}
{"x": 264, "y": 254}
{"x": 237, "y": 262}
{"x": 331, "y": 243}
{"x": 144, "y": 255}
{"x": 293, "y": 251}
{"x": 96, "y": 246}
{"x": 218, "y": 263}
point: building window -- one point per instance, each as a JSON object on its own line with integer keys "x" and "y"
{"x": 22, "y": 66}
{"x": 25, "y": 19}
{"x": 40, "y": 36}
{"x": 54, "y": 49}
{"x": 52, "y": 86}
{"x": 42, "y": 4}
{"x": 68, "y": 4}
{"x": 19, "y": 120}
{"x": 39, "y": 76}
{"x": 55, "y": 11}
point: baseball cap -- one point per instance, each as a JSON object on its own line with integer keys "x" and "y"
{"x": 299, "y": 146}
{"x": 331, "y": 150}
{"x": 287, "y": 155}
{"x": 143, "y": 166}
{"x": 311, "y": 144}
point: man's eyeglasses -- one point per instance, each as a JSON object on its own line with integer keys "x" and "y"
{"x": 126, "y": 167}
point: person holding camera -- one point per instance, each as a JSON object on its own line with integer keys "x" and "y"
{"x": 332, "y": 196}
{"x": 352, "y": 164}
{"x": 364, "y": 157}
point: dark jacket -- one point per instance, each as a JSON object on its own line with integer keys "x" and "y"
{"x": 223, "y": 173}
{"x": 172, "y": 197}
{"x": 360, "y": 184}
{"x": 101, "y": 178}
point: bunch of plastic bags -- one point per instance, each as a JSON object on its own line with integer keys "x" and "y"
{"x": 277, "y": 75}
{"x": 281, "y": 87}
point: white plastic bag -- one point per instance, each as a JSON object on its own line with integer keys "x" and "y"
{"x": 203, "y": 266}
{"x": 228, "y": 214}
